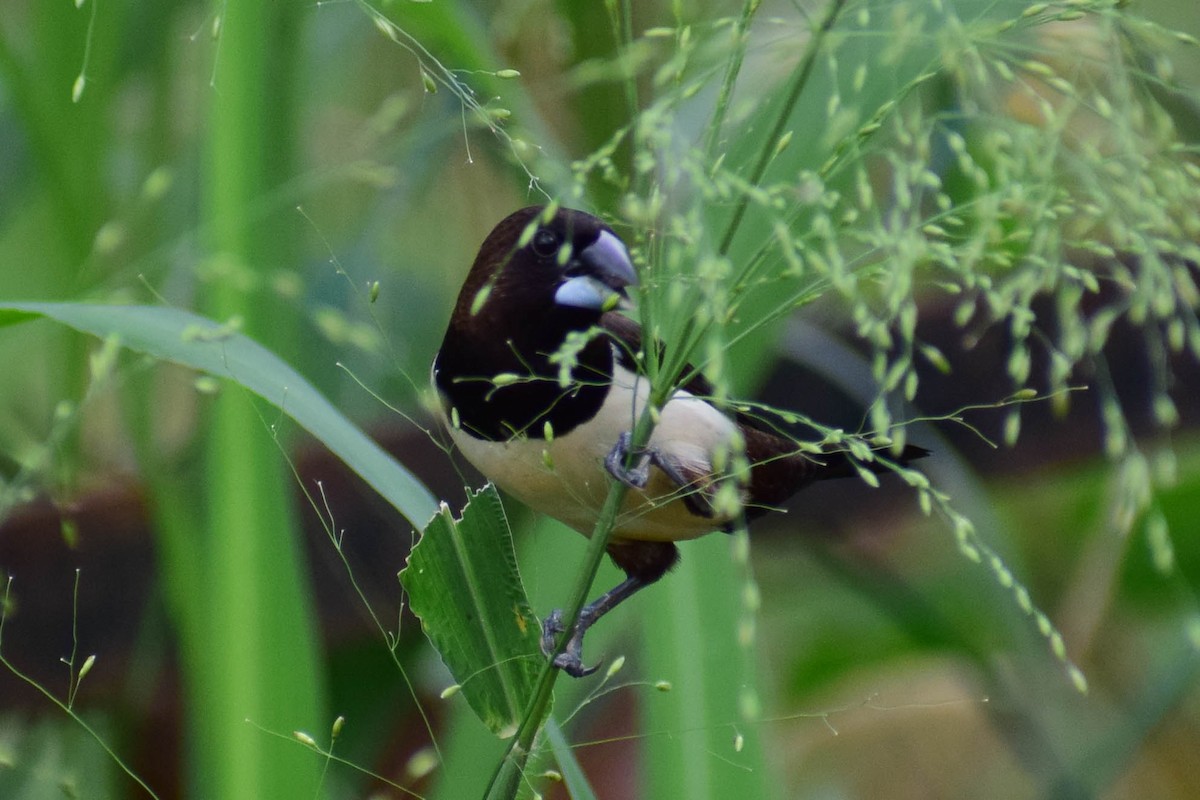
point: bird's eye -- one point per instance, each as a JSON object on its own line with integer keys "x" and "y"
{"x": 545, "y": 243}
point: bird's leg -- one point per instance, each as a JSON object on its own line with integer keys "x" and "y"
{"x": 643, "y": 563}
{"x": 570, "y": 660}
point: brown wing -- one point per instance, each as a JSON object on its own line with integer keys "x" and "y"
{"x": 628, "y": 335}
{"x": 778, "y": 469}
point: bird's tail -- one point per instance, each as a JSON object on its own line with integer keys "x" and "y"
{"x": 773, "y": 480}
{"x": 841, "y": 464}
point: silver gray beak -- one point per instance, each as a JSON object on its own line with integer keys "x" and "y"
{"x": 605, "y": 270}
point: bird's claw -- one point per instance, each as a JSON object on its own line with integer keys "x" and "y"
{"x": 551, "y": 627}
{"x": 570, "y": 660}
{"x": 634, "y": 477}
{"x": 572, "y": 664}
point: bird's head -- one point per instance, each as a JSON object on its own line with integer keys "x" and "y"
{"x": 535, "y": 262}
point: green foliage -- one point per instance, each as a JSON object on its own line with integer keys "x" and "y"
{"x": 53, "y": 759}
{"x": 463, "y": 585}
{"x": 222, "y": 352}
{"x": 1030, "y": 169}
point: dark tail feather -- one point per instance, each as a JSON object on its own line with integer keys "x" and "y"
{"x": 773, "y": 479}
{"x": 841, "y": 464}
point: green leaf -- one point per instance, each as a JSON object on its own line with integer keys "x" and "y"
{"x": 463, "y": 584}
{"x": 691, "y": 638}
{"x": 199, "y": 343}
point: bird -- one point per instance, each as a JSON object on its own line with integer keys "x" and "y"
{"x": 539, "y": 383}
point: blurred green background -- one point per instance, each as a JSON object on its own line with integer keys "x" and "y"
{"x": 266, "y": 162}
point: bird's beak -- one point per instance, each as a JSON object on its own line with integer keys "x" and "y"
{"x": 603, "y": 270}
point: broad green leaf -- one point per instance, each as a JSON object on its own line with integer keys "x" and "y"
{"x": 199, "y": 343}
{"x": 463, "y": 584}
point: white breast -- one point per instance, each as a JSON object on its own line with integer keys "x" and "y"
{"x": 566, "y": 479}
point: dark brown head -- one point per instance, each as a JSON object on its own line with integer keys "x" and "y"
{"x": 568, "y": 265}
{"x": 540, "y": 275}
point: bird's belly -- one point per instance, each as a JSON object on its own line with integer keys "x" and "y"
{"x": 566, "y": 478}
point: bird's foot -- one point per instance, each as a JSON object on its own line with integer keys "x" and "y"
{"x": 570, "y": 660}
{"x": 634, "y": 476}
{"x": 552, "y": 626}
{"x": 697, "y": 496}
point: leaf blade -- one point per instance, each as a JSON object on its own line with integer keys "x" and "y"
{"x": 464, "y": 586}
{"x": 194, "y": 341}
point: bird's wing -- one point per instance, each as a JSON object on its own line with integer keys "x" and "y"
{"x": 628, "y": 335}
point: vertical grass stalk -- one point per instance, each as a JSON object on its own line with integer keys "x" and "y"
{"x": 247, "y": 625}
